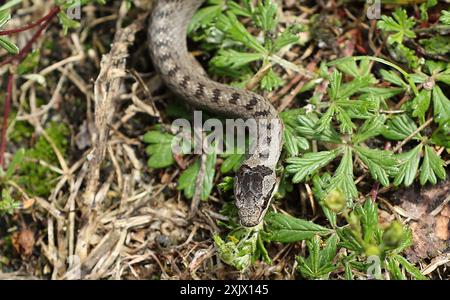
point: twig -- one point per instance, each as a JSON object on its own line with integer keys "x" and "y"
{"x": 50, "y": 15}
{"x": 424, "y": 125}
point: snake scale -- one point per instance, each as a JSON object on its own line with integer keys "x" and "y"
{"x": 255, "y": 182}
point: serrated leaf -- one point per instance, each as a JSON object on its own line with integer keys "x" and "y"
{"x": 286, "y": 229}
{"x": 186, "y": 182}
{"x": 393, "y": 77}
{"x": 371, "y": 128}
{"x": 294, "y": 143}
{"x": 441, "y": 107}
{"x": 399, "y": 26}
{"x": 381, "y": 163}
{"x": 445, "y": 17}
{"x": 399, "y": 128}
{"x": 159, "y": 150}
{"x": 432, "y": 166}
{"x": 421, "y": 103}
{"x": 230, "y": 25}
{"x": 310, "y": 163}
{"x": 410, "y": 268}
{"x": 343, "y": 179}
{"x": 319, "y": 263}
{"x": 204, "y": 16}
{"x": 408, "y": 166}
{"x": 229, "y": 58}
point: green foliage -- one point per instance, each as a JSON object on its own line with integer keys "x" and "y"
{"x": 159, "y": 149}
{"x": 399, "y": 26}
{"x": 319, "y": 263}
{"x": 7, "y": 203}
{"x": 30, "y": 169}
{"x": 352, "y": 127}
{"x": 238, "y": 49}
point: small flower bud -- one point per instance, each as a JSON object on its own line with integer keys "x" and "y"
{"x": 393, "y": 234}
{"x": 335, "y": 201}
{"x": 372, "y": 250}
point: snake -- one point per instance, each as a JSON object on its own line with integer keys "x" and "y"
{"x": 255, "y": 182}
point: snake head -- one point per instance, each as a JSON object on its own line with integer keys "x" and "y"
{"x": 254, "y": 188}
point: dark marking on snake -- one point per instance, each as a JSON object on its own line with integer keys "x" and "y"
{"x": 161, "y": 43}
{"x": 185, "y": 81}
{"x": 200, "y": 90}
{"x": 252, "y": 103}
{"x": 263, "y": 113}
{"x": 216, "y": 95}
{"x": 174, "y": 71}
{"x": 235, "y": 98}
{"x": 165, "y": 57}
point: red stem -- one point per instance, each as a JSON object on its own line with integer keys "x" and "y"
{"x": 50, "y": 15}
{"x": 5, "y": 118}
{"x": 44, "y": 23}
{"x": 24, "y": 52}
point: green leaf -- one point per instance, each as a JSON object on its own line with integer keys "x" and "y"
{"x": 232, "y": 163}
{"x": 205, "y": 16}
{"x": 399, "y": 25}
{"x": 239, "y": 250}
{"x": 319, "y": 263}
{"x": 287, "y": 229}
{"x": 393, "y": 267}
{"x": 287, "y": 37}
{"x": 230, "y": 25}
{"x": 393, "y": 77}
{"x": 187, "y": 180}
{"x": 381, "y": 163}
{"x": 265, "y": 15}
{"x": 159, "y": 150}
{"x": 15, "y": 163}
{"x": 445, "y": 17}
{"x": 421, "y": 103}
{"x": 432, "y": 166}
{"x": 399, "y": 128}
{"x": 9, "y": 46}
{"x": 67, "y": 22}
{"x": 208, "y": 180}
{"x": 410, "y": 268}
{"x": 309, "y": 163}
{"x": 29, "y": 63}
{"x": 271, "y": 81}
{"x": 371, "y": 127}
{"x": 343, "y": 179}
{"x": 5, "y": 16}
{"x": 441, "y": 107}
{"x": 294, "y": 143}
{"x": 409, "y": 166}
{"x": 10, "y": 4}
{"x": 229, "y": 58}
{"x": 7, "y": 203}
{"x": 436, "y": 45}
{"x": 368, "y": 215}
{"x": 307, "y": 126}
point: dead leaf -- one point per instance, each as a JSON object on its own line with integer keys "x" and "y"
{"x": 23, "y": 241}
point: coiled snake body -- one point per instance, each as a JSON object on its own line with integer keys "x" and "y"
{"x": 256, "y": 181}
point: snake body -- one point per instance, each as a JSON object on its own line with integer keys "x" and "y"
{"x": 255, "y": 182}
